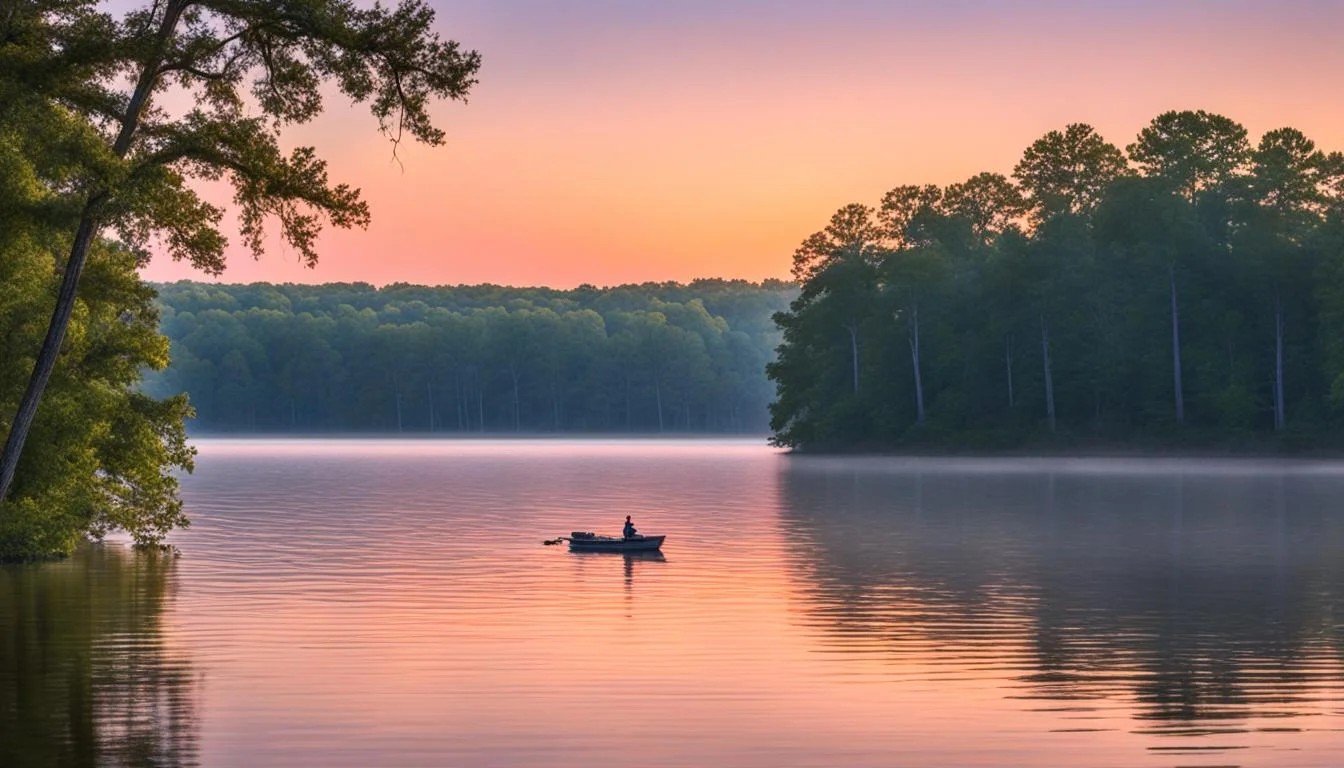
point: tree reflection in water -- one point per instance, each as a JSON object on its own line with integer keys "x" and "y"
{"x": 87, "y": 676}
{"x": 1195, "y": 596}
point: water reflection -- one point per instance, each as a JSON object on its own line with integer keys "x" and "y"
{"x": 1204, "y": 599}
{"x": 86, "y": 674}
{"x": 632, "y": 562}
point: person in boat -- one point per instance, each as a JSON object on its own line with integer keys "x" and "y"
{"x": 629, "y": 531}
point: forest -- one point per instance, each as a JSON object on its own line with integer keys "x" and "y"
{"x": 650, "y": 358}
{"x": 1185, "y": 292}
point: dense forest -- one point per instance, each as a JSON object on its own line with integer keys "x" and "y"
{"x": 1187, "y": 291}
{"x": 657, "y": 357}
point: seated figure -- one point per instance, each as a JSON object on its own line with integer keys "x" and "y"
{"x": 629, "y": 532}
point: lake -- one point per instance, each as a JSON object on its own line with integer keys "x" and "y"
{"x": 390, "y": 603}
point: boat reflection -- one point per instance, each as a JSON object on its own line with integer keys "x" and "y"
{"x": 1194, "y": 598}
{"x": 629, "y": 559}
{"x": 86, "y": 674}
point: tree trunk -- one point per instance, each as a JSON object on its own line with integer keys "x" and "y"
{"x": 628, "y": 424}
{"x": 658, "y": 398}
{"x": 1008, "y": 363}
{"x": 1176, "y": 349}
{"x": 517, "y": 418}
{"x": 854, "y": 353}
{"x": 429, "y": 388}
{"x": 1049, "y": 381}
{"x": 461, "y": 401}
{"x": 914, "y": 358}
{"x": 74, "y": 266}
{"x": 555, "y": 406}
{"x": 480, "y": 403}
{"x": 1280, "y": 416}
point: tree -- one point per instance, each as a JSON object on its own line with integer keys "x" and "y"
{"x": 909, "y": 276}
{"x": 988, "y": 202}
{"x": 1194, "y": 151}
{"x": 1066, "y": 172}
{"x": 1198, "y": 154}
{"x": 1149, "y": 234}
{"x": 839, "y": 261}
{"x": 1286, "y": 201}
{"x": 127, "y": 161}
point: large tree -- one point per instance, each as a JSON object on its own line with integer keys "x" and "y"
{"x": 1194, "y": 151}
{"x": 1067, "y": 171}
{"x": 120, "y": 156}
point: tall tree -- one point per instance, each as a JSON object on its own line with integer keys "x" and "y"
{"x": 1066, "y": 172}
{"x": 1195, "y": 151}
{"x": 1287, "y": 200}
{"x": 839, "y": 262}
{"x": 129, "y": 167}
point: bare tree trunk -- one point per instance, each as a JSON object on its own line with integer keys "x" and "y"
{"x": 854, "y": 353}
{"x": 1176, "y": 349}
{"x": 461, "y": 400}
{"x": 555, "y": 406}
{"x": 429, "y": 387}
{"x": 627, "y": 401}
{"x": 1008, "y": 363}
{"x": 658, "y": 397}
{"x": 914, "y": 358}
{"x": 517, "y": 418}
{"x": 1280, "y": 416}
{"x": 1049, "y": 380}
{"x": 74, "y": 266}
{"x": 480, "y": 403}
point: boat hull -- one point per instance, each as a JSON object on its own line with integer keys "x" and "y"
{"x": 614, "y": 544}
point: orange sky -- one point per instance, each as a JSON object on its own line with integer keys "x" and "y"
{"x": 614, "y": 141}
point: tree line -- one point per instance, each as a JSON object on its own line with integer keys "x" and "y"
{"x": 657, "y": 357}
{"x": 1186, "y": 291}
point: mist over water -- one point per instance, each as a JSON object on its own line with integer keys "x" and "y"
{"x": 379, "y": 602}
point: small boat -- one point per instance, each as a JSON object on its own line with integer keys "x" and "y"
{"x": 585, "y": 541}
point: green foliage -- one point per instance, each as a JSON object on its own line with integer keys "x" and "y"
{"x": 101, "y": 455}
{"x": 987, "y": 307}
{"x": 249, "y": 69}
{"x": 300, "y": 358}
{"x": 89, "y": 145}
{"x": 1066, "y": 172}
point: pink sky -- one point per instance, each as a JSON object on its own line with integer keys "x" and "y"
{"x": 622, "y": 141}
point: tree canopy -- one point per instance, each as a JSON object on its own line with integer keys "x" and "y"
{"x": 651, "y": 358}
{"x": 1188, "y": 293}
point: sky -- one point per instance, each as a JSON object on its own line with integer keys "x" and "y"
{"x": 614, "y": 141}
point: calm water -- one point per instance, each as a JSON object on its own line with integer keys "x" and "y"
{"x": 367, "y": 603}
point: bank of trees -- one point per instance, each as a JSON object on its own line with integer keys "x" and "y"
{"x": 1188, "y": 290}
{"x": 470, "y": 359}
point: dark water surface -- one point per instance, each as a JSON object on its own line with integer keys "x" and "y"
{"x": 389, "y": 603}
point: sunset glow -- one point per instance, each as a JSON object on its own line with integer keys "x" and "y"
{"x": 612, "y": 142}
